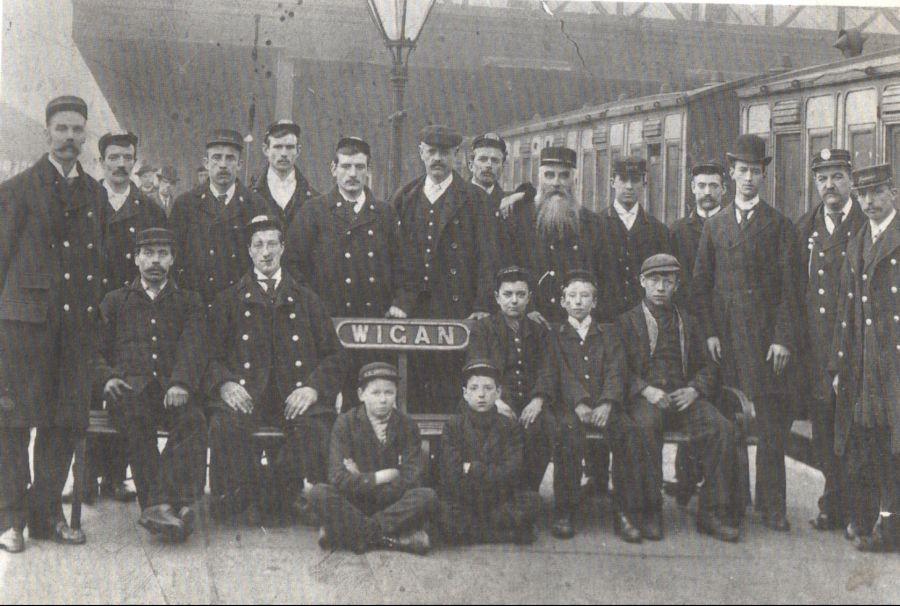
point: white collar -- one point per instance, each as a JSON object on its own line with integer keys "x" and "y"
{"x": 261, "y": 277}
{"x": 488, "y": 190}
{"x": 746, "y": 204}
{"x": 72, "y": 173}
{"x": 581, "y": 327}
{"x": 844, "y": 211}
{"x": 115, "y": 198}
{"x": 623, "y": 211}
{"x": 149, "y": 291}
{"x": 272, "y": 175}
{"x": 360, "y": 199}
{"x": 229, "y": 193}
{"x": 433, "y": 190}
{"x": 707, "y": 215}
{"x": 878, "y": 229}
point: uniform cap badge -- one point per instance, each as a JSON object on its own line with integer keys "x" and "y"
{"x": 825, "y": 154}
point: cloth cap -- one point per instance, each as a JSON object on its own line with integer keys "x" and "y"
{"x": 123, "y": 139}
{"x": 660, "y": 264}
{"x": 439, "y": 135}
{"x": 66, "y": 103}
{"x": 356, "y": 142}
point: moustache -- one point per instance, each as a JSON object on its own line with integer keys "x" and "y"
{"x": 121, "y": 171}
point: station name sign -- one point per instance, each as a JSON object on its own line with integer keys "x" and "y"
{"x": 378, "y": 333}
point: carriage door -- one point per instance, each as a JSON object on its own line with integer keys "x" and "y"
{"x": 893, "y": 150}
{"x": 861, "y": 115}
{"x": 656, "y": 183}
{"x": 890, "y": 114}
{"x": 789, "y": 175}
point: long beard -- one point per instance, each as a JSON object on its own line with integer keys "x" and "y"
{"x": 558, "y": 216}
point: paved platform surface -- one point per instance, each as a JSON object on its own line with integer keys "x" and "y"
{"x": 223, "y": 564}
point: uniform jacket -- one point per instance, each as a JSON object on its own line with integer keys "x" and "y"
{"x": 146, "y": 340}
{"x": 120, "y": 232}
{"x": 524, "y": 358}
{"x": 51, "y": 270}
{"x": 302, "y": 194}
{"x": 746, "y": 290}
{"x": 292, "y": 343}
{"x": 685, "y": 238}
{"x": 353, "y": 437}
{"x": 867, "y": 340}
{"x": 823, "y": 255}
{"x": 352, "y": 261}
{"x": 592, "y": 371}
{"x": 211, "y": 249}
{"x": 494, "y": 449}
{"x": 639, "y": 334}
{"x": 463, "y": 258}
{"x": 504, "y": 243}
{"x": 626, "y": 250}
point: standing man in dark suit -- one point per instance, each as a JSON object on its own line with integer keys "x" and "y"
{"x": 824, "y": 233}
{"x": 486, "y": 165}
{"x": 281, "y": 183}
{"x": 746, "y": 291}
{"x": 51, "y": 244}
{"x": 866, "y": 364}
{"x": 209, "y": 221}
{"x": 165, "y": 195}
{"x": 446, "y": 234}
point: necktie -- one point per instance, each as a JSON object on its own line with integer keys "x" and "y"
{"x": 221, "y": 199}
{"x": 745, "y": 216}
{"x": 836, "y": 218}
{"x": 270, "y": 287}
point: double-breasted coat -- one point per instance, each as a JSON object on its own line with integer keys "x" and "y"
{"x": 120, "y": 228}
{"x": 291, "y": 343}
{"x": 352, "y": 261}
{"x": 450, "y": 250}
{"x": 302, "y": 194}
{"x": 590, "y": 371}
{"x": 211, "y": 246}
{"x": 51, "y": 270}
{"x": 866, "y": 350}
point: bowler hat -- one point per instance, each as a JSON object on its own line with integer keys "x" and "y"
{"x": 660, "y": 264}
{"x": 377, "y": 370}
{"x": 872, "y": 176}
{"x": 168, "y": 173}
{"x": 439, "y": 135}
{"x": 225, "y": 136}
{"x": 123, "y": 139}
{"x": 630, "y": 167}
{"x": 69, "y": 103}
{"x": 831, "y": 157}
{"x": 559, "y": 155}
{"x": 489, "y": 140}
{"x": 749, "y": 148}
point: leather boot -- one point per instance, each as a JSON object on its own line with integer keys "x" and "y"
{"x": 652, "y": 528}
{"x": 710, "y": 523}
{"x": 626, "y": 529}
{"x": 162, "y": 520}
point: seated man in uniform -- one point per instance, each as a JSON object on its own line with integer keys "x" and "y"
{"x": 274, "y": 360}
{"x": 671, "y": 382}
{"x": 481, "y": 464}
{"x": 590, "y": 366}
{"x": 151, "y": 358}
{"x": 375, "y": 499}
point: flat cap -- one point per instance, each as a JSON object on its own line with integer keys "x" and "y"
{"x": 146, "y": 168}
{"x": 559, "y": 155}
{"x": 660, "y": 264}
{"x": 154, "y": 235}
{"x": 168, "y": 173}
{"x": 439, "y": 135}
{"x": 480, "y": 367}
{"x": 282, "y": 128}
{"x": 353, "y": 142}
{"x": 66, "y": 103}
{"x": 490, "y": 140}
{"x": 513, "y": 273}
{"x": 579, "y": 275}
{"x": 225, "y": 136}
{"x": 872, "y": 176}
{"x": 377, "y": 370}
{"x": 630, "y": 166}
{"x": 123, "y": 139}
{"x": 707, "y": 168}
{"x": 831, "y": 157}
{"x": 263, "y": 223}
{"x": 749, "y": 148}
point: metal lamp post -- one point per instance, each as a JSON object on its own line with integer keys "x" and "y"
{"x": 400, "y": 22}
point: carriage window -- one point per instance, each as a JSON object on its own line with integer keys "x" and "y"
{"x": 758, "y": 119}
{"x": 861, "y": 114}
{"x": 673, "y": 126}
{"x": 635, "y": 133}
{"x": 818, "y": 140}
{"x": 617, "y": 135}
{"x": 820, "y": 112}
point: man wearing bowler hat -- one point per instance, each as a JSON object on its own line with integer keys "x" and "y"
{"x": 209, "y": 221}
{"x": 447, "y": 235}
{"x": 824, "y": 234}
{"x": 746, "y": 293}
{"x": 165, "y": 195}
{"x": 51, "y": 266}
{"x": 866, "y": 364}
{"x": 281, "y": 183}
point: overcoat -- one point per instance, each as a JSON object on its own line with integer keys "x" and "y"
{"x": 685, "y": 238}
{"x": 120, "y": 232}
{"x": 302, "y": 194}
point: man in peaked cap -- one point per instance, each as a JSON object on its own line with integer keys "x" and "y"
{"x": 746, "y": 292}
{"x": 446, "y": 232}
{"x": 824, "y": 233}
{"x": 50, "y": 290}
{"x": 281, "y": 183}
{"x": 866, "y": 364}
{"x": 209, "y": 221}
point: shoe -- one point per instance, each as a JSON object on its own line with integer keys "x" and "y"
{"x": 652, "y": 528}
{"x": 711, "y": 524}
{"x": 162, "y": 520}
{"x": 825, "y": 521}
{"x": 305, "y": 514}
{"x": 60, "y": 533}
{"x": 562, "y": 528}
{"x": 872, "y": 543}
{"x": 12, "y": 540}
{"x": 324, "y": 539}
{"x": 188, "y": 517}
{"x": 777, "y": 521}
{"x": 851, "y": 532}
{"x": 626, "y": 529}
{"x": 118, "y": 491}
{"x": 417, "y": 543}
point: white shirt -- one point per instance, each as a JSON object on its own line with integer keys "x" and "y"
{"x": 150, "y": 292}
{"x": 489, "y": 190}
{"x": 282, "y": 189}
{"x": 260, "y": 277}
{"x": 433, "y": 190}
{"x": 72, "y": 173}
{"x": 581, "y": 327}
{"x": 878, "y": 228}
{"x": 628, "y": 216}
{"x": 708, "y": 214}
{"x": 116, "y": 200}
{"x": 228, "y": 194}
{"x": 829, "y": 223}
{"x": 747, "y": 205}
{"x": 358, "y": 203}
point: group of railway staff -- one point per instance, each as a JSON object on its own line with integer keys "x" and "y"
{"x": 597, "y": 325}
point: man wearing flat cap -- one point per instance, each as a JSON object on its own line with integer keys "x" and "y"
{"x": 147, "y": 175}
{"x": 345, "y": 245}
{"x": 209, "y": 221}
{"x": 150, "y": 363}
{"x": 165, "y": 194}
{"x": 746, "y": 292}
{"x": 486, "y": 163}
{"x": 630, "y": 233}
{"x": 375, "y": 498}
{"x": 447, "y": 235}
{"x": 552, "y": 233}
{"x": 824, "y": 233}
{"x": 865, "y": 363}
{"x": 281, "y": 183}
{"x": 274, "y": 361}
{"x": 51, "y": 270}
{"x": 672, "y": 383}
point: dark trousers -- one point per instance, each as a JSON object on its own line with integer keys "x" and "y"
{"x": 176, "y": 475}
{"x": 235, "y": 459}
{"x": 568, "y": 463}
{"x": 873, "y": 476}
{"x": 434, "y": 385}
{"x": 540, "y": 439}
{"x": 832, "y": 502}
{"x": 41, "y": 505}
{"x": 773, "y": 422}
{"x": 357, "y": 520}
{"x": 106, "y": 456}
{"x": 638, "y": 441}
{"x": 487, "y": 520}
